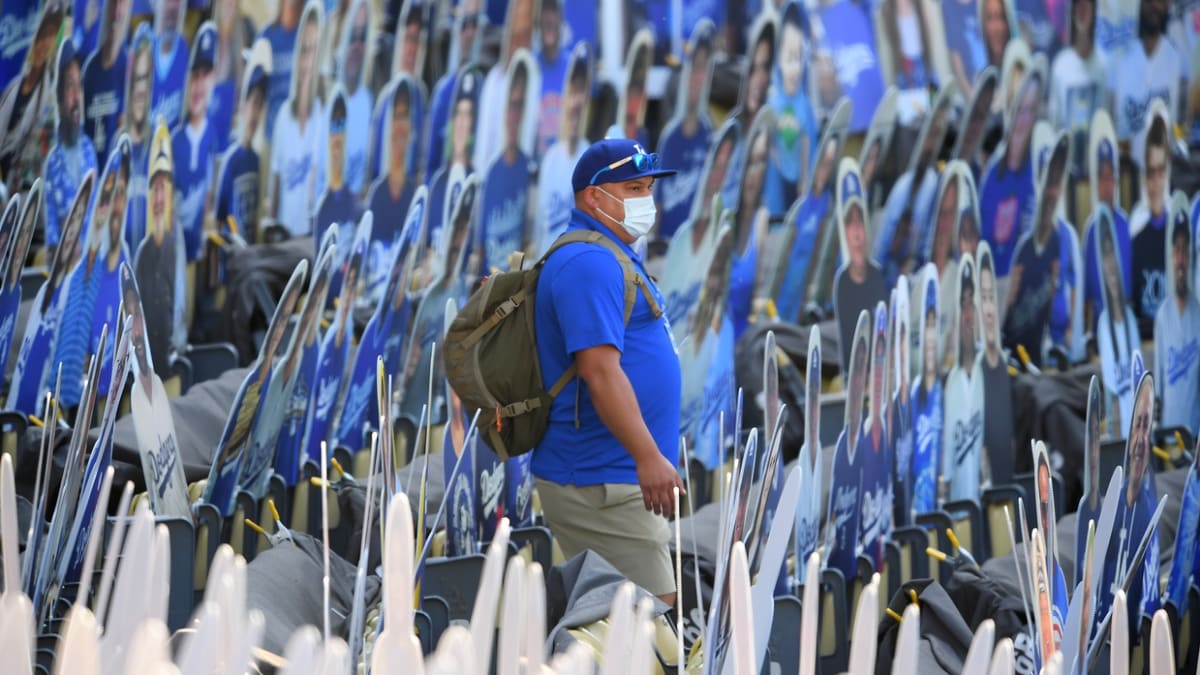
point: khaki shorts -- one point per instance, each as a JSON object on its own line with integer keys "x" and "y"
{"x": 612, "y": 520}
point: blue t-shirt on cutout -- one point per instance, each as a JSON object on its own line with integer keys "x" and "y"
{"x": 103, "y": 100}
{"x": 505, "y": 203}
{"x": 674, "y": 194}
{"x": 237, "y": 190}
{"x": 580, "y": 305}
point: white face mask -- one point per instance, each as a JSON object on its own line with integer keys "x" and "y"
{"x": 640, "y": 213}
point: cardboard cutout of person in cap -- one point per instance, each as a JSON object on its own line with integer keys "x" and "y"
{"x": 964, "y": 466}
{"x": 196, "y": 143}
{"x": 27, "y": 104}
{"x": 338, "y": 207}
{"x": 239, "y": 184}
{"x": 506, "y": 207}
{"x": 158, "y": 262}
{"x": 464, "y": 51}
{"x": 1148, "y": 223}
{"x": 685, "y": 137}
{"x": 170, "y": 62}
{"x": 1105, "y": 172}
{"x": 518, "y": 35}
{"x": 556, "y": 196}
{"x": 859, "y": 283}
{"x": 1177, "y": 328}
{"x": 928, "y": 407}
{"x": 1007, "y": 193}
{"x": 706, "y": 358}
{"x": 33, "y": 372}
{"x": 73, "y": 154}
{"x": 105, "y": 70}
{"x": 1116, "y": 328}
{"x": 846, "y": 474}
{"x": 295, "y": 184}
{"x": 137, "y": 123}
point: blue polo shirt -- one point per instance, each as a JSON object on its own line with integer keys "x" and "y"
{"x": 580, "y": 304}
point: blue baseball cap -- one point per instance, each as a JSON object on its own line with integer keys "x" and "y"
{"x": 615, "y": 160}
{"x": 204, "y": 54}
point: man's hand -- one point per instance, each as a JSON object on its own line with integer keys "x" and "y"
{"x": 658, "y": 480}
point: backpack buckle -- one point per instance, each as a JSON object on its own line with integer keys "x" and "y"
{"x": 505, "y": 308}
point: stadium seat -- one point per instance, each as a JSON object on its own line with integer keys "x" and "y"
{"x": 967, "y": 518}
{"x": 210, "y": 360}
{"x": 13, "y": 423}
{"x": 994, "y": 501}
{"x": 456, "y": 580}
{"x": 833, "y": 644}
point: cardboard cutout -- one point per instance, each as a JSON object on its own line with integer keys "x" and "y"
{"x": 1177, "y": 327}
{"x": 1017, "y": 62}
{"x": 462, "y": 523}
{"x": 909, "y": 64}
{"x": 997, "y": 383}
{"x": 810, "y": 508}
{"x": 296, "y": 166}
{"x": 398, "y": 117}
{"x": 792, "y": 149}
{"x": 1116, "y": 328}
{"x": 72, "y": 154}
{"x": 1182, "y": 577}
{"x": 239, "y": 183}
{"x": 10, "y": 301}
{"x": 966, "y": 48}
{"x": 750, "y": 220}
{"x": 464, "y": 51}
{"x": 706, "y": 356}
{"x": 196, "y": 143}
{"x": 297, "y": 380}
{"x": 845, "y": 62}
{"x": 699, "y": 231}
{"x": 997, "y": 28}
{"x": 221, "y": 488}
{"x": 355, "y": 78}
{"x": 1146, "y": 222}
{"x": 491, "y": 133}
{"x": 805, "y": 266}
{"x": 329, "y": 381}
{"x": 105, "y": 69}
{"x": 969, "y": 145}
{"x": 27, "y": 103}
{"x": 1104, "y": 171}
{"x": 556, "y": 197}
{"x": 1007, "y": 192}
{"x": 928, "y": 410}
{"x": 171, "y": 62}
{"x": 1089, "y": 504}
{"x": 846, "y": 479}
{"x": 505, "y": 205}
{"x": 859, "y": 282}
{"x": 877, "y": 456}
{"x": 631, "y": 109}
{"x": 903, "y": 234}
{"x": 553, "y": 52}
{"x": 8, "y": 236}
{"x": 228, "y": 68}
{"x": 461, "y": 136}
{"x": 963, "y": 464}
{"x": 1080, "y": 82}
{"x": 900, "y": 413}
{"x": 875, "y": 153}
{"x": 685, "y": 138}
{"x": 139, "y": 125}
{"x": 338, "y": 208}
{"x": 153, "y": 424}
{"x": 1134, "y": 511}
{"x": 409, "y": 55}
{"x": 686, "y": 268}
{"x": 34, "y": 370}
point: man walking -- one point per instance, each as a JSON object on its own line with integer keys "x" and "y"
{"x": 605, "y": 469}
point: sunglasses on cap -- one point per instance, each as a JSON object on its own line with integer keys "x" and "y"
{"x": 641, "y": 160}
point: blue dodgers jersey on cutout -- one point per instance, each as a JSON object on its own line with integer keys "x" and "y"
{"x": 106, "y": 310}
{"x": 1093, "y": 290}
{"x": 291, "y": 435}
{"x": 875, "y": 510}
{"x": 580, "y": 304}
{"x": 65, "y": 168}
{"x": 812, "y": 212}
{"x": 462, "y": 521}
{"x": 1030, "y": 313}
{"x": 1006, "y": 203}
{"x": 505, "y": 203}
{"x": 360, "y": 409}
{"x": 170, "y": 76}
{"x": 675, "y": 193}
{"x": 17, "y": 26}
{"x": 741, "y": 286}
{"x": 136, "y": 190}
{"x": 849, "y": 36}
{"x": 845, "y": 490}
{"x": 221, "y": 105}
{"x": 237, "y": 193}
{"x": 327, "y": 387}
{"x": 103, "y": 99}
{"x": 927, "y": 446}
{"x": 194, "y": 167}
{"x": 965, "y": 40}
{"x": 283, "y": 43}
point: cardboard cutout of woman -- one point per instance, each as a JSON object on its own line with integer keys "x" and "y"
{"x": 792, "y": 151}
{"x": 518, "y": 33}
{"x": 965, "y": 45}
{"x": 1105, "y": 171}
{"x": 806, "y": 271}
{"x": 874, "y": 452}
{"x": 750, "y": 221}
{"x": 903, "y": 42}
{"x": 964, "y": 466}
{"x": 196, "y": 143}
{"x": 461, "y": 136}
{"x": 1007, "y": 193}
{"x": 809, "y": 509}
{"x": 506, "y": 208}
{"x": 295, "y": 185}
{"x": 105, "y": 70}
{"x": 170, "y": 62}
{"x": 685, "y": 138}
{"x": 239, "y": 183}
{"x": 555, "y": 197}
{"x": 1116, "y": 329}
{"x": 845, "y": 61}
{"x": 969, "y": 146}
{"x": 1177, "y": 329}
{"x": 27, "y": 104}
{"x": 228, "y": 69}
{"x": 998, "y": 27}
{"x": 900, "y": 412}
{"x": 846, "y": 477}
{"x": 928, "y": 409}
{"x": 34, "y": 371}
{"x": 859, "y": 282}
{"x": 464, "y": 51}
{"x": 153, "y": 423}
{"x": 137, "y": 123}
{"x": 706, "y": 358}
{"x": 753, "y": 93}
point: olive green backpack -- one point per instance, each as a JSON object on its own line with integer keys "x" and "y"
{"x": 491, "y": 357}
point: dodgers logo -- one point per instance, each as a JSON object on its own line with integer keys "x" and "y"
{"x": 852, "y": 61}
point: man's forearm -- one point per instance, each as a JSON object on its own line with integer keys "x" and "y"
{"x": 615, "y": 403}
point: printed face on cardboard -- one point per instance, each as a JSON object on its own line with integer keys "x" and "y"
{"x": 829, "y": 149}
{"x": 812, "y": 395}
{"x": 696, "y": 79}
{"x": 279, "y": 321}
{"x": 1051, "y": 186}
{"x": 995, "y": 23}
{"x": 968, "y": 312}
{"x": 200, "y": 72}
{"x": 69, "y": 93}
{"x": 576, "y": 97}
{"x": 901, "y": 339}
{"x": 70, "y": 246}
{"x": 715, "y": 292}
{"x": 930, "y": 317}
{"x": 161, "y": 200}
{"x": 519, "y": 28}
{"x": 794, "y": 46}
{"x": 879, "y": 358}
{"x": 119, "y": 165}
{"x": 1137, "y": 448}
{"x": 754, "y": 172}
{"x": 461, "y": 219}
{"x": 1156, "y": 162}
{"x": 398, "y": 106}
{"x": 933, "y": 131}
{"x": 131, "y": 312}
{"x": 756, "y": 81}
{"x": 989, "y": 312}
{"x": 632, "y": 109}
{"x": 947, "y": 205}
{"x": 357, "y": 38}
{"x": 115, "y": 26}
{"x": 983, "y": 96}
{"x": 168, "y": 17}
{"x": 522, "y": 89}
{"x": 24, "y": 236}
{"x": 1022, "y": 86}
{"x": 966, "y": 225}
{"x": 876, "y": 148}
{"x": 1179, "y": 249}
{"x": 852, "y": 217}
{"x": 860, "y": 366}
{"x": 141, "y": 85}
{"x": 716, "y": 166}
{"x": 1044, "y": 487}
{"x": 408, "y": 56}
{"x": 304, "y": 66}
{"x": 464, "y": 115}
{"x": 1102, "y": 160}
{"x": 1109, "y": 263}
